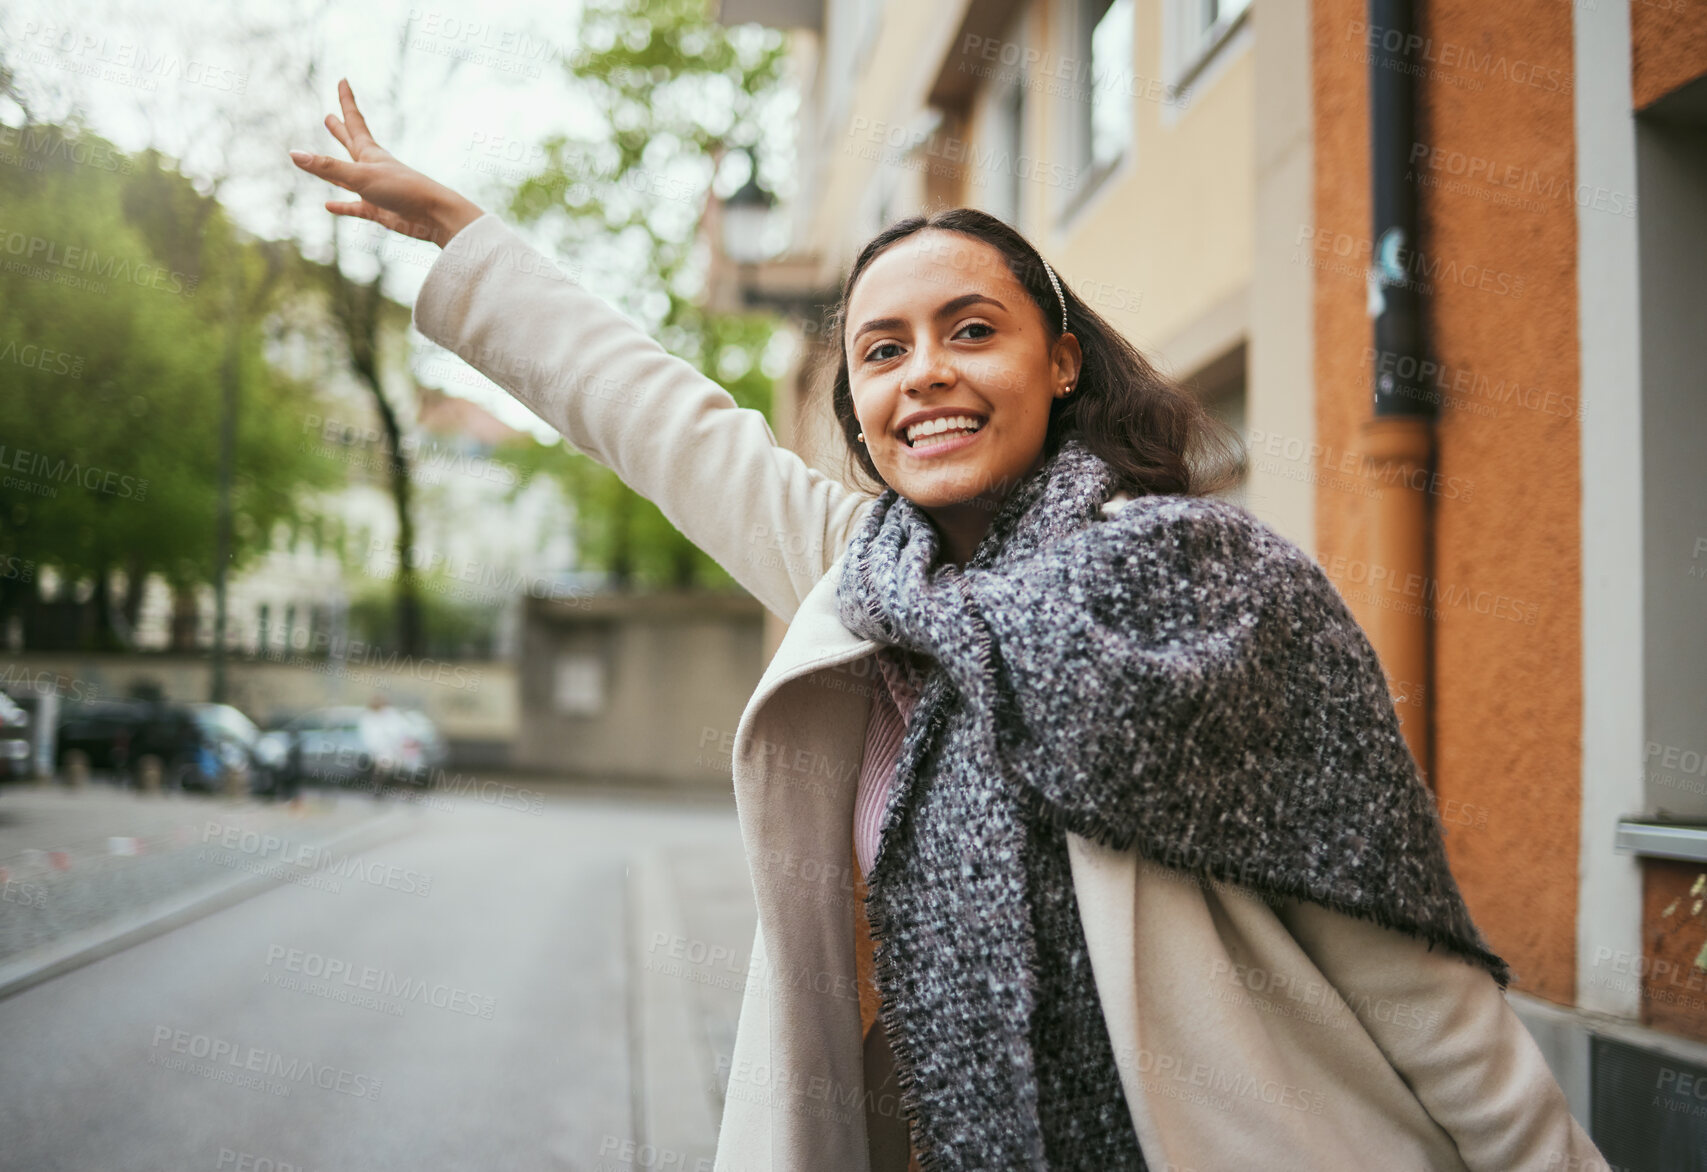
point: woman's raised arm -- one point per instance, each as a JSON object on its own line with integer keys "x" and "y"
{"x": 712, "y": 467}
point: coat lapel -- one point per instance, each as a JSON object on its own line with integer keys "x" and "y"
{"x": 796, "y": 765}
{"x": 815, "y": 637}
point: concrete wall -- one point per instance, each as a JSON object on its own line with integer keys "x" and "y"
{"x": 1281, "y": 396}
{"x": 646, "y": 689}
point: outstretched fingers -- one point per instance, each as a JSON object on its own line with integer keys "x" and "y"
{"x": 360, "y": 136}
{"x": 388, "y": 219}
{"x": 353, "y": 207}
{"x": 339, "y": 133}
{"x": 345, "y": 175}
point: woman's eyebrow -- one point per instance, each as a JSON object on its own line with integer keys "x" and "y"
{"x": 954, "y": 305}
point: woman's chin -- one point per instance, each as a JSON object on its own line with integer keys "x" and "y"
{"x": 954, "y": 483}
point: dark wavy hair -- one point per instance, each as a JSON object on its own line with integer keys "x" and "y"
{"x": 1156, "y": 436}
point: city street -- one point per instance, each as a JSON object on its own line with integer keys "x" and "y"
{"x": 474, "y": 993}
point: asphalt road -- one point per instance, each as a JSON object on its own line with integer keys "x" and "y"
{"x": 463, "y": 997}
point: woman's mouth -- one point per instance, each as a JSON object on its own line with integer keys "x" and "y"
{"x": 944, "y": 435}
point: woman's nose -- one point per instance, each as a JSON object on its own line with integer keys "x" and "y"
{"x": 930, "y": 366}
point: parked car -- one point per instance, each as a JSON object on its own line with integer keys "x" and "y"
{"x": 197, "y": 744}
{"x": 349, "y": 746}
{"x": 227, "y": 739}
{"x": 14, "y": 739}
{"x": 116, "y": 734}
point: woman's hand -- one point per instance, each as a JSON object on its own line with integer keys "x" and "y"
{"x": 394, "y": 195}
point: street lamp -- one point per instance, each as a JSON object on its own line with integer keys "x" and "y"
{"x": 747, "y": 220}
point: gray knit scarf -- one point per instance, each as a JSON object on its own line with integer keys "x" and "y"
{"x": 1180, "y": 678}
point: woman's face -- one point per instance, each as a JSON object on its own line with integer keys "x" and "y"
{"x": 939, "y": 328}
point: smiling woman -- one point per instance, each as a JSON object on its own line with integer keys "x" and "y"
{"x": 955, "y": 322}
{"x": 1152, "y": 879}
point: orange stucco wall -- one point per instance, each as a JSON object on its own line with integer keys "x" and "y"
{"x": 1668, "y": 46}
{"x": 1494, "y": 152}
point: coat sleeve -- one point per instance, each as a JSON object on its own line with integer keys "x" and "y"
{"x": 712, "y": 467}
{"x": 1446, "y": 1028}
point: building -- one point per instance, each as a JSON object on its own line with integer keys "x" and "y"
{"x": 1507, "y": 489}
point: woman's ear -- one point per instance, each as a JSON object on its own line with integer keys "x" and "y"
{"x": 1066, "y": 364}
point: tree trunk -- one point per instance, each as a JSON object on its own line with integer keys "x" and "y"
{"x": 135, "y": 583}
{"x": 622, "y": 543}
{"x": 184, "y": 617}
{"x": 682, "y": 566}
{"x": 357, "y": 309}
{"x": 410, "y": 632}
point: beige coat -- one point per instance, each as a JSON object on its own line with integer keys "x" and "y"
{"x": 1297, "y": 1040}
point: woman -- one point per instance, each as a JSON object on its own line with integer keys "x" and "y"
{"x": 1153, "y": 880}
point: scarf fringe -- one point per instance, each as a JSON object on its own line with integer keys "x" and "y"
{"x": 887, "y": 973}
{"x": 885, "y": 970}
{"x": 937, "y": 692}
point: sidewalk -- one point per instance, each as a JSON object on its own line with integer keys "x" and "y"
{"x": 691, "y": 922}
{"x": 86, "y": 872}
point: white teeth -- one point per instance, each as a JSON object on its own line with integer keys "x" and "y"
{"x": 947, "y": 423}
{"x": 941, "y": 437}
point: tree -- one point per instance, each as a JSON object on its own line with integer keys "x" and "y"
{"x": 679, "y": 92}
{"x": 368, "y": 321}
{"x": 110, "y": 357}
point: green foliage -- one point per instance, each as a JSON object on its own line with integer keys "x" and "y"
{"x": 678, "y": 91}
{"x": 455, "y": 628}
{"x": 114, "y": 330}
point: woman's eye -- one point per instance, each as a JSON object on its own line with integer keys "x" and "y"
{"x": 876, "y": 356}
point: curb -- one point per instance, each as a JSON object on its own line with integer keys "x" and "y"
{"x": 675, "y": 1105}
{"x": 80, "y": 948}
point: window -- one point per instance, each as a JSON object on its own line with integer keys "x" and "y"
{"x": 1099, "y": 135}
{"x": 579, "y": 684}
{"x": 1007, "y": 143}
{"x": 1195, "y": 30}
{"x": 1111, "y": 91}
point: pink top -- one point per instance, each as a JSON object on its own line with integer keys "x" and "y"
{"x": 890, "y": 707}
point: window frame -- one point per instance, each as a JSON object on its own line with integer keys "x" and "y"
{"x": 1095, "y": 178}
{"x": 1189, "y": 48}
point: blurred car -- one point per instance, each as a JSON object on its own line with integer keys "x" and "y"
{"x": 226, "y": 740}
{"x": 116, "y": 734}
{"x": 350, "y": 746}
{"x": 14, "y": 739}
{"x": 197, "y": 744}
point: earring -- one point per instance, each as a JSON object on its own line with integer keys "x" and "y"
{"x": 862, "y": 437}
